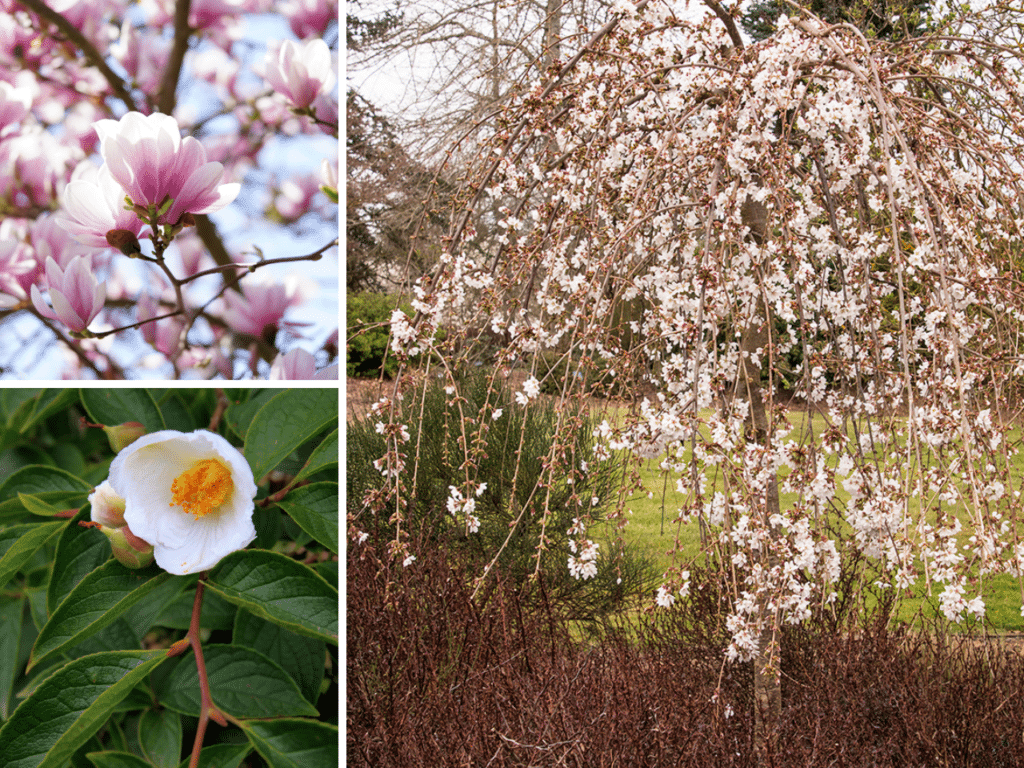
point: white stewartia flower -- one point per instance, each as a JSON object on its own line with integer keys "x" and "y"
{"x": 190, "y": 495}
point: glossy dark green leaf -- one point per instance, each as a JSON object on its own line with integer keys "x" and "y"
{"x": 111, "y": 407}
{"x": 240, "y": 413}
{"x": 243, "y": 683}
{"x": 288, "y": 420}
{"x": 315, "y": 508}
{"x": 323, "y": 456}
{"x": 11, "y": 401}
{"x": 160, "y": 737}
{"x": 177, "y": 416}
{"x": 294, "y": 743}
{"x": 217, "y": 612}
{"x": 301, "y": 657}
{"x": 69, "y": 707}
{"x": 80, "y": 551}
{"x": 50, "y": 485}
{"x": 329, "y": 571}
{"x": 37, "y": 506}
{"x": 32, "y": 410}
{"x": 221, "y": 756}
{"x": 116, "y": 636}
{"x": 98, "y": 599}
{"x": 19, "y": 542}
{"x": 280, "y": 590}
{"x": 13, "y": 616}
{"x": 117, "y": 760}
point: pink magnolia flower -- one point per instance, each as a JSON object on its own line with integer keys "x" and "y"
{"x": 300, "y": 71}
{"x": 143, "y": 54}
{"x": 259, "y": 309}
{"x": 296, "y": 196}
{"x": 49, "y": 236}
{"x": 14, "y": 105}
{"x": 309, "y": 18}
{"x": 94, "y": 207}
{"x": 148, "y": 158}
{"x": 34, "y": 162}
{"x": 76, "y": 295}
{"x": 300, "y": 365}
{"x": 325, "y": 107}
{"x": 16, "y": 262}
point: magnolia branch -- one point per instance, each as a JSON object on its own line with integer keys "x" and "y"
{"x": 167, "y": 95}
{"x": 72, "y": 33}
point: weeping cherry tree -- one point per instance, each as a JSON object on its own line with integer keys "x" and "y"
{"x": 702, "y": 222}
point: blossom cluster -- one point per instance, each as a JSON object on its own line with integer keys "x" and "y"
{"x": 744, "y": 222}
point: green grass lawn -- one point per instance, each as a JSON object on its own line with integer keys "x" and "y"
{"x": 652, "y": 530}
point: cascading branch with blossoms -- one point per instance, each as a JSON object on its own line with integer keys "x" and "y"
{"x": 702, "y": 223}
{"x": 111, "y": 157}
{"x": 170, "y": 580}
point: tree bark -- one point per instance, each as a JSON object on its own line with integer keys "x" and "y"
{"x": 754, "y": 342}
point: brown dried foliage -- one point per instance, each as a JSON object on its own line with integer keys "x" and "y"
{"x": 435, "y": 679}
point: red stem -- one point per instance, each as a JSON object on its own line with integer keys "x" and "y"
{"x": 207, "y": 710}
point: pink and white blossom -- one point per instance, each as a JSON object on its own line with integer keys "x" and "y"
{"x": 16, "y": 262}
{"x": 14, "y": 105}
{"x": 259, "y": 310}
{"x": 300, "y": 71}
{"x": 93, "y": 206}
{"x": 76, "y": 295}
{"x": 147, "y": 157}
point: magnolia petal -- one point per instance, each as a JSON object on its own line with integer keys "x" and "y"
{"x": 41, "y": 306}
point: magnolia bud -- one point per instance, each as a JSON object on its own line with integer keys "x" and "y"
{"x": 129, "y": 550}
{"x": 123, "y": 435}
{"x": 125, "y": 241}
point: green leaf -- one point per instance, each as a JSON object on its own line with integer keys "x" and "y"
{"x": 280, "y": 590}
{"x": 329, "y": 571}
{"x": 97, "y": 600}
{"x": 243, "y": 683}
{"x": 37, "y": 506}
{"x": 293, "y": 743}
{"x": 160, "y": 737}
{"x": 49, "y": 485}
{"x": 18, "y": 543}
{"x": 221, "y": 756}
{"x": 69, "y": 707}
{"x": 287, "y": 421}
{"x": 323, "y": 456}
{"x": 301, "y": 657}
{"x": 80, "y": 551}
{"x": 177, "y": 416}
{"x": 111, "y": 407}
{"x": 12, "y": 639}
{"x": 217, "y": 613}
{"x": 240, "y": 413}
{"x": 31, "y": 410}
{"x": 116, "y": 760}
{"x": 116, "y": 636}
{"x": 315, "y": 508}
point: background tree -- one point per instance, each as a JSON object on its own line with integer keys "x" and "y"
{"x": 884, "y": 19}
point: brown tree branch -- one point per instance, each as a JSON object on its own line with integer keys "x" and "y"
{"x": 72, "y": 33}
{"x": 167, "y": 95}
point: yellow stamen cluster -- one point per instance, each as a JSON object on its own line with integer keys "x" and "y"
{"x": 202, "y": 488}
